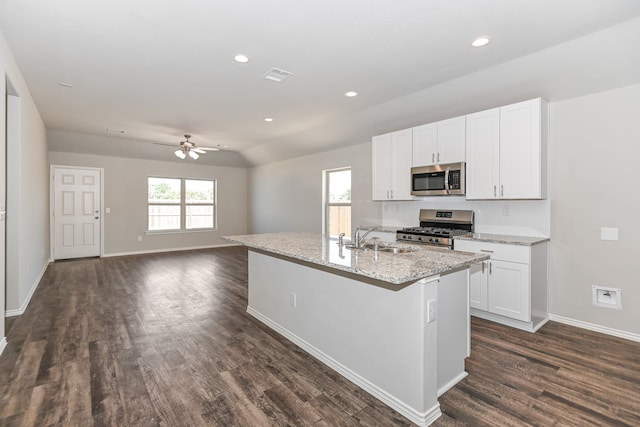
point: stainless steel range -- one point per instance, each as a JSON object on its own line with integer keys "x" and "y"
{"x": 438, "y": 227}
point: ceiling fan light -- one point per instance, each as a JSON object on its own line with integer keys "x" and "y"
{"x": 193, "y": 155}
{"x": 180, "y": 154}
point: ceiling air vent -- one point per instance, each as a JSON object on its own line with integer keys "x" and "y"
{"x": 277, "y": 75}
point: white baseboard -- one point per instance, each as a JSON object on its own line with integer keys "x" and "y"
{"x": 153, "y": 251}
{"x": 3, "y": 344}
{"x": 421, "y": 419}
{"x": 445, "y": 388}
{"x": 596, "y": 328}
{"x": 25, "y": 303}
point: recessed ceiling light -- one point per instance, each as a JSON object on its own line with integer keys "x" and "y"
{"x": 480, "y": 41}
{"x": 351, "y": 94}
{"x": 268, "y": 119}
{"x": 241, "y": 58}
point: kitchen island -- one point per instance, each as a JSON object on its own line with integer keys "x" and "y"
{"x": 396, "y": 324}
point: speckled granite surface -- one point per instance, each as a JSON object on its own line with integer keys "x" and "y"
{"x": 401, "y": 268}
{"x": 503, "y": 238}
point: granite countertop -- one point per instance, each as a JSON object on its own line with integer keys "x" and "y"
{"x": 504, "y": 238}
{"x": 422, "y": 261}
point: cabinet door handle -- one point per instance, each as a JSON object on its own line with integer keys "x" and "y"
{"x": 438, "y": 157}
{"x": 433, "y": 157}
{"x": 502, "y": 191}
{"x": 490, "y": 269}
{"x": 483, "y": 267}
{"x": 486, "y": 250}
{"x": 392, "y": 194}
{"x": 446, "y": 178}
{"x": 494, "y": 191}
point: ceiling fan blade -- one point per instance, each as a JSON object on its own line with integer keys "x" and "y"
{"x": 208, "y": 148}
{"x": 198, "y": 150}
{"x": 166, "y": 145}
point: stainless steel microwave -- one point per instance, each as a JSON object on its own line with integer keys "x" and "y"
{"x": 438, "y": 180}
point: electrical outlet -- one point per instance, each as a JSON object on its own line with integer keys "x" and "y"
{"x": 293, "y": 300}
{"x": 431, "y": 310}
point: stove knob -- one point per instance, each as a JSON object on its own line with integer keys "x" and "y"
{"x": 436, "y": 240}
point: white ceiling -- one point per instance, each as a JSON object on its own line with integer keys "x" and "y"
{"x": 162, "y": 69}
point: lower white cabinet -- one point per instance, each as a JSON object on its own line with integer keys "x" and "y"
{"x": 511, "y": 286}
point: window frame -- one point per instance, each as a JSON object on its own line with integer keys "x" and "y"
{"x": 183, "y": 204}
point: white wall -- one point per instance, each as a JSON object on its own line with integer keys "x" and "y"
{"x": 27, "y": 176}
{"x": 125, "y": 193}
{"x": 287, "y": 195}
{"x": 594, "y": 150}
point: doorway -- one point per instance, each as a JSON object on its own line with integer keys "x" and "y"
{"x": 76, "y": 212}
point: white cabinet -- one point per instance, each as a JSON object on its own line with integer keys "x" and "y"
{"x": 440, "y": 142}
{"x": 506, "y": 152}
{"x": 478, "y": 285}
{"x": 510, "y": 287}
{"x": 392, "y": 154}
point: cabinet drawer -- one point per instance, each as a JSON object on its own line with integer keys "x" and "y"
{"x": 498, "y": 251}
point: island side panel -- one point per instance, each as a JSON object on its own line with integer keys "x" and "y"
{"x": 454, "y": 328}
{"x": 379, "y": 335}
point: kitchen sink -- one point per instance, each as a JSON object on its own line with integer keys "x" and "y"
{"x": 396, "y": 250}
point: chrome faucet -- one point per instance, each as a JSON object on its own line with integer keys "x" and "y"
{"x": 357, "y": 239}
{"x": 340, "y": 239}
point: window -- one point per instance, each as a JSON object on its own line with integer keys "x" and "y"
{"x": 181, "y": 204}
{"x": 337, "y": 197}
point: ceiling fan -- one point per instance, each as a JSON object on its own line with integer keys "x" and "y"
{"x": 188, "y": 148}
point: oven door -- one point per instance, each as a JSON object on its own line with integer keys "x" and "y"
{"x": 438, "y": 180}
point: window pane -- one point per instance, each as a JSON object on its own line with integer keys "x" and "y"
{"x": 339, "y": 220}
{"x": 164, "y": 190}
{"x": 340, "y": 186}
{"x": 199, "y": 216}
{"x": 164, "y": 217}
{"x": 198, "y": 191}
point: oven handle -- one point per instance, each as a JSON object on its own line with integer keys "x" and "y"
{"x": 446, "y": 180}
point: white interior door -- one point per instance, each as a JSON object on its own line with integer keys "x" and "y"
{"x": 77, "y": 213}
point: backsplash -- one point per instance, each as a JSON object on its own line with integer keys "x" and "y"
{"x": 517, "y": 217}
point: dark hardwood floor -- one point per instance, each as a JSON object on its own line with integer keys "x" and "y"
{"x": 164, "y": 340}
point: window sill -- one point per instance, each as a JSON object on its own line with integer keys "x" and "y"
{"x": 195, "y": 230}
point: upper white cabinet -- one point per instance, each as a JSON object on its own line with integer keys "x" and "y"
{"x": 392, "y": 154}
{"x": 440, "y": 142}
{"x": 506, "y": 152}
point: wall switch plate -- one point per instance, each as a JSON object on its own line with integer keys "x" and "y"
{"x": 431, "y": 310}
{"x": 139, "y": 238}
{"x": 609, "y": 233}
{"x": 107, "y": 210}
